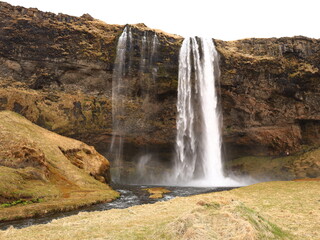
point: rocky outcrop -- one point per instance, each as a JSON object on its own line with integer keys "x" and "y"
{"x": 269, "y": 94}
{"x": 38, "y": 164}
{"x": 56, "y": 70}
{"x": 88, "y": 159}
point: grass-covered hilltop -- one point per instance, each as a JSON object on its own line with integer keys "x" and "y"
{"x": 56, "y": 123}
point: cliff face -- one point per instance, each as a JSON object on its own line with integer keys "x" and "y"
{"x": 52, "y": 64}
{"x": 270, "y": 95}
{"x": 57, "y": 71}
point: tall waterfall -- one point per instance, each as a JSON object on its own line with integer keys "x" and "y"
{"x": 118, "y": 97}
{"x": 198, "y": 143}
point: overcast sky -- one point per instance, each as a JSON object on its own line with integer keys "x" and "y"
{"x": 220, "y": 19}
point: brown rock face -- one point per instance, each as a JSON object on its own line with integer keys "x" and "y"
{"x": 269, "y": 94}
{"x": 88, "y": 159}
{"x": 262, "y": 141}
{"x": 56, "y": 70}
{"x": 56, "y": 110}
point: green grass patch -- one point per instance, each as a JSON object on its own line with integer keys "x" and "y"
{"x": 21, "y": 202}
{"x": 213, "y": 205}
{"x": 265, "y": 228}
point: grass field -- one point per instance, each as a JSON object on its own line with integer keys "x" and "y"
{"x": 271, "y": 210}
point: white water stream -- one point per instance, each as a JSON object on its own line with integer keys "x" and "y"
{"x": 198, "y": 145}
{"x": 198, "y": 142}
{"x": 118, "y": 98}
{"x": 124, "y": 74}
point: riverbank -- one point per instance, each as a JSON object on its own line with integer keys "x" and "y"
{"x": 130, "y": 195}
{"x": 74, "y": 199}
{"x": 42, "y": 172}
{"x": 271, "y": 210}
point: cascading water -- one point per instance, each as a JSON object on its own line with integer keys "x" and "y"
{"x": 118, "y": 95}
{"x": 154, "y": 57}
{"x": 134, "y": 75}
{"x": 143, "y": 53}
{"x": 198, "y": 160}
{"x": 198, "y": 144}
{"x": 148, "y": 66}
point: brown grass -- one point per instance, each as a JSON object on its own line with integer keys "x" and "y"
{"x": 48, "y": 175}
{"x": 273, "y": 210}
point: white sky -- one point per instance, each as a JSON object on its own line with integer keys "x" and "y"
{"x": 220, "y": 19}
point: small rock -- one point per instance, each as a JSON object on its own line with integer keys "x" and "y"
{"x": 157, "y": 192}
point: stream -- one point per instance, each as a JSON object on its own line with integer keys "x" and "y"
{"x": 131, "y": 195}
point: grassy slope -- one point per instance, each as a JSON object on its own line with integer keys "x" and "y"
{"x": 64, "y": 188}
{"x": 305, "y": 164}
{"x": 272, "y": 210}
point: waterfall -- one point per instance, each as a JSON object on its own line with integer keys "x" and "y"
{"x": 118, "y": 97}
{"x": 149, "y": 70}
{"x": 154, "y": 57}
{"x": 149, "y": 57}
{"x": 133, "y": 80}
{"x": 143, "y": 53}
{"x": 198, "y": 143}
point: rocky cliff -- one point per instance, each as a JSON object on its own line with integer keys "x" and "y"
{"x": 57, "y": 71}
{"x": 270, "y": 94}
